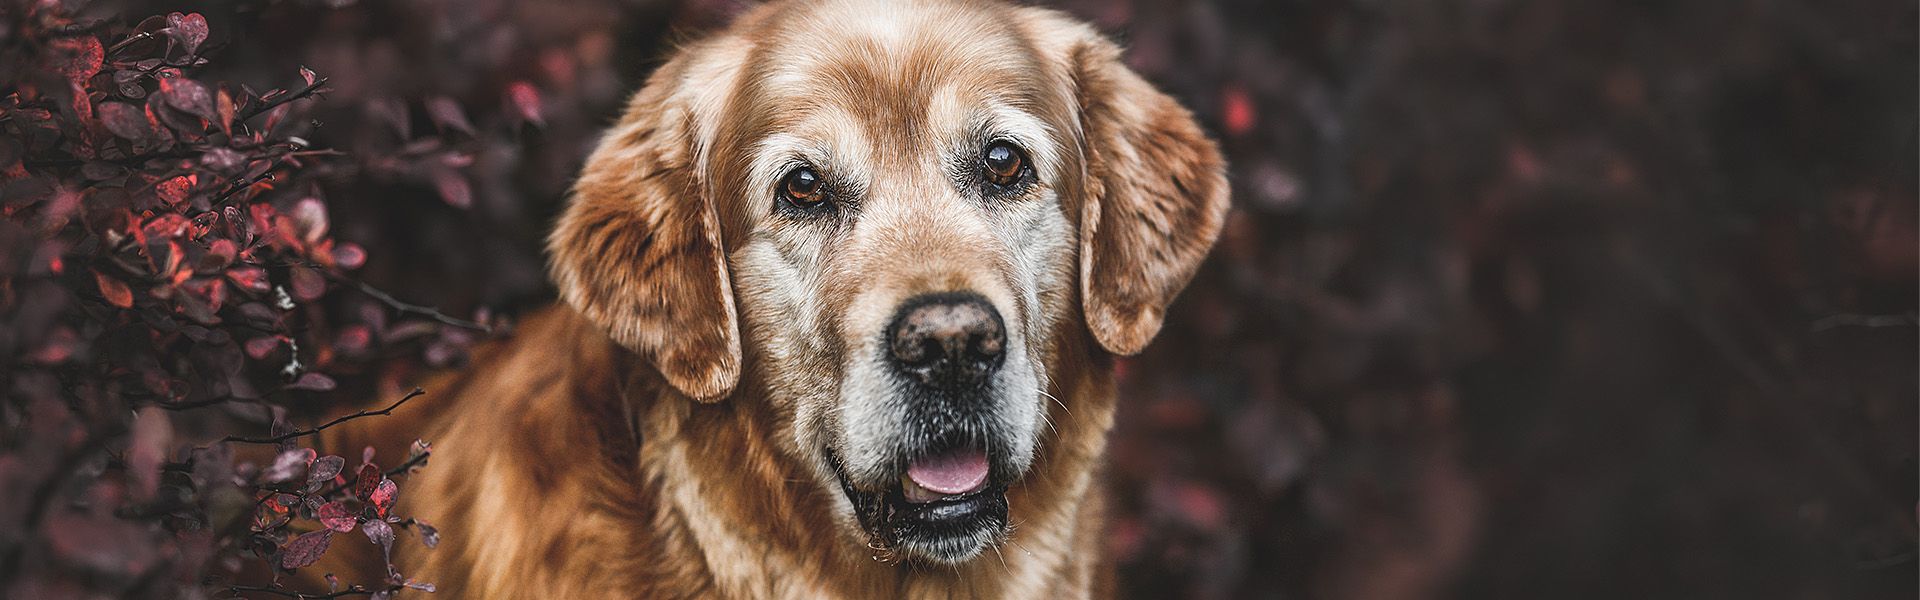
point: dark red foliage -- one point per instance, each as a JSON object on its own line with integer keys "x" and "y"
{"x": 167, "y": 252}
{"x": 306, "y": 549}
{"x": 336, "y": 517}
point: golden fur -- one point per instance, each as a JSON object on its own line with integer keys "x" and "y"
{"x": 570, "y": 461}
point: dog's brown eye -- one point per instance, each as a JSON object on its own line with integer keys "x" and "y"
{"x": 802, "y": 188}
{"x": 1003, "y": 163}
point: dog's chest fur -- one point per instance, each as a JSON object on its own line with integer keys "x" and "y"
{"x": 587, "y": 484}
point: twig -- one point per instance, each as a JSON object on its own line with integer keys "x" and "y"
{"x": 352, "y": 591}
{"x": 144, "y": 35}
{"x": 305, "y": 432}
{"x": 243, "y": 183}
{"x": 425, "y": 311}
{"x": 283, "y": 98}
{"x": 411, "y": 463}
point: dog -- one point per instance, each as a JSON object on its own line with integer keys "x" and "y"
{"x": 842, "y": 294}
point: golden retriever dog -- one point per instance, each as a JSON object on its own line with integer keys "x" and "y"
{"x": 843, "y": 290}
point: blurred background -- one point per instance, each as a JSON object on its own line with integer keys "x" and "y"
{"x": 1518, "y": 299}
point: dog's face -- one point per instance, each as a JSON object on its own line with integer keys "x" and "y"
{"x": 898, "y": 210}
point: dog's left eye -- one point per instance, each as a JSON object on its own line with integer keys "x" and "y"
{"x": 1003, "y": 163}
{"x": 801, "y": 188}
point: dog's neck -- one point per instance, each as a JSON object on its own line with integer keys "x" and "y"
{"x": 723, "y": 488}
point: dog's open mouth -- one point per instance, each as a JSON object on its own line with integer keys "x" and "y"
{"x": 945, "y": 507}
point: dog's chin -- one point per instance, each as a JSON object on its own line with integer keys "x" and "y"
{"x": 951, "y": 529}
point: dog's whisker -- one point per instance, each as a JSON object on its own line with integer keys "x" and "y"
{"x": 1048, "y": 421}
{"x": 1016, "y": 544}
{"x": 1003, "y": 561}
{"x": 1063, "y": 405}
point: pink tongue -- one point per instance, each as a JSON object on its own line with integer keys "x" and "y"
{"x": 955, "y": 471}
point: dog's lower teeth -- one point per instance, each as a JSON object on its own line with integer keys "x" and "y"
{"x": 917, "y": 494}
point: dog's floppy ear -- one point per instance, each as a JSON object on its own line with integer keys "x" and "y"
{"x": 1156, "y": 197}
{"x": 638, "y": 249}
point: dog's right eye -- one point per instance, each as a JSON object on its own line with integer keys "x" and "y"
{"x": 801, "y": 188}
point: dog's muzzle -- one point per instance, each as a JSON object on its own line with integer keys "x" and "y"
{"x": 947, "y": 501}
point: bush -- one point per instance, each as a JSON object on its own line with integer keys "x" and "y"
{"x": 170, "y": 279}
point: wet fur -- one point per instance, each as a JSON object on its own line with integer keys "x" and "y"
{"x": 639, "y": 441}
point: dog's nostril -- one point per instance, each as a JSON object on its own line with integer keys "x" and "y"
{"x": 948, "y": 338}
{"x": 988, "y": 344}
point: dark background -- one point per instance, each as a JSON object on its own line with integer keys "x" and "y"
{"x": 1519, "y": 298}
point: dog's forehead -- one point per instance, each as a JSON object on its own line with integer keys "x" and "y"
{"x": 909, "y": 66}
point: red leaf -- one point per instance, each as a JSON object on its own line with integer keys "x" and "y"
{"x": 223, "y": 160}
{"x": 307, "y": 74}
{"x": 209, "y": 290}
{"x": 447, "y": 114}
{"x": 525, "y": 101}
{"x": 225, "y": 106}
{"x": 114, "y": 290}
{"x": 368, "y": 479}
{"x": 305, "y": 550}
{"x": 336, "y": 516}
{"x": 166, "y": 226}
{"x": 173, "y": 270}
{"x": 126, "y": 120}
{"x": 190, "y": 30}
{"x": 1238, "y": 111}
{"x": 250, "y": 278}
{"x": 310, "y": 219}
{"x": 313, "y": 381}
{"x": 260, "y": 347}
{"x": 383, "y": 496}
{"x": 354, "y": 339}
{"x": 453, "y": 187}
{"x": 152, "y": 434}
{"x": 349, "y": 256}
{"x": 60, "y": 346}
{"x": 381, "y": 533}
{"x": 189, "y": 96}
{"x": 307, "y": 284}
{"x": 327, "y": 467}
{"x": 219, "y": 255}
{"x": 174, "y": 191}
{"x": 84, "y": 56}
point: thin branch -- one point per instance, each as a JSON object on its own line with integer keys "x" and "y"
{"x": 352, "y": 591}
{"x": 397, "y": 304}
{"x": 305, "y": 432}
{"x": 243, "y": 183}
{"x": 411, "y": 463}
{"x": 144, "y": 35}
{"x": 283, "y": 98}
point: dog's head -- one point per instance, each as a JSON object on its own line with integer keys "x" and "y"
{"x": 903, "y": 209}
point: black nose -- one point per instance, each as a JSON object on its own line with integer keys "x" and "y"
{"x": 950, "y": 341}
